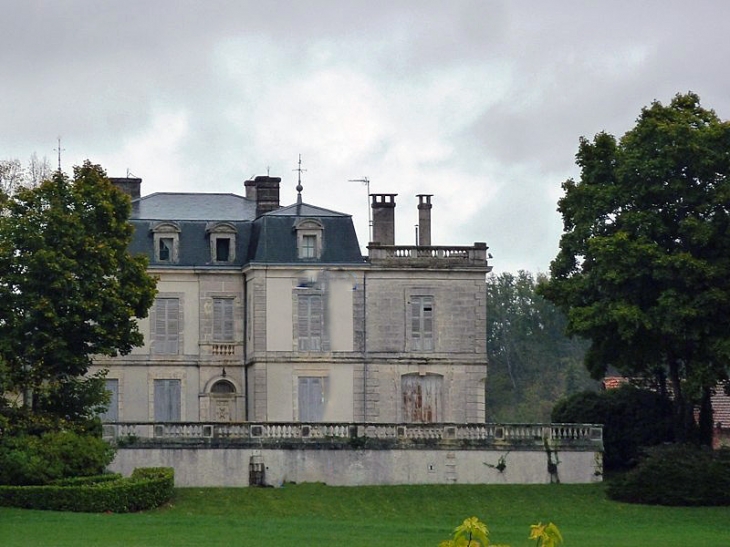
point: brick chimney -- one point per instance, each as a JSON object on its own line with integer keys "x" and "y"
{"x": 265, "y": 191}
{"x": 132, "y": 187}
{"x": 424, "y": 220}
{"x": 383, "y": 206}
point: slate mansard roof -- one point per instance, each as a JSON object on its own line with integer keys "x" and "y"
{"x": 270, "y": 238}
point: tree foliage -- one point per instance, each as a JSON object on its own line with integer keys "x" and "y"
{"x": 532, "y": 363}
{"x": 69, "y": 290}
{"x": 643, "y": 269}
{"x": 632, "y": 419}
{"x": 14, "y": 176}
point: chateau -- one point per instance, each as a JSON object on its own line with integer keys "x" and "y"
{"x": 270, "y": 313}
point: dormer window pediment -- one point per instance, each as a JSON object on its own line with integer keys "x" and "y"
{"x": 166, "y": 240}
{"x": 310, "y": 238}
{"x": 222, "y": 236}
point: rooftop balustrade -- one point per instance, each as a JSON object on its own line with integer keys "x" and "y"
{"x": 418, "y": 256}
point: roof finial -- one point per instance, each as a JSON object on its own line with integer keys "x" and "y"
{"x": 299, "y": 185}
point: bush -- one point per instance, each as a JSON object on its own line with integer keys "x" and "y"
{"x": 145, "y": 489}
{"x": 632, "y": 418}
{"x": 30, "y": 459}
{"x": 676, "y": 475}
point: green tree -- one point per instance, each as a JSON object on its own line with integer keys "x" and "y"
{"x": 532, "y": 363}
{"x": 643, "y": 269}
{"x": 69, "y": 290}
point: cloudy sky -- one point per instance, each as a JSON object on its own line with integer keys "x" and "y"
{"x": 480, "y": 103}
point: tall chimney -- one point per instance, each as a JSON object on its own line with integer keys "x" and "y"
{"x": 132, "y": 187}
{"x": 424, "y": 220}
{"x": 265, "y": 190}
{"x": 383, "y": 206}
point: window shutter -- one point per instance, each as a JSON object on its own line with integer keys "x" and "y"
{"x": 167, "y": 400}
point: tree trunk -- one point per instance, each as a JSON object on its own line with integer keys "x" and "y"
{"x": 706, "y": 417}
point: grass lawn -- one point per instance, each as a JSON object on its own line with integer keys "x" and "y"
{"x": 313, "y": 514}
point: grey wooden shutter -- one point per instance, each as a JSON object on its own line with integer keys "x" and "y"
{"x": 167, "y": 400}
{"x": 311, "y": 399}
{"x": 167, "y": 325}
{"x": 223, "y": 319}
{"x": 112, "y": 412}
{"x": 310, "y": 319}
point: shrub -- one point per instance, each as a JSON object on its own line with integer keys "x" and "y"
{"x": 676, "y": 475}
{"x": 632, "y": 418}
{"x": 30, "y": 459}
{"x": 145, "y": 489}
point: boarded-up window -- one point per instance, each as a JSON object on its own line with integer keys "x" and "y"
{"x": 223, "y": 319}
{"x": 311, "y": 398}
{"x": 167, "y": 325}
{"x": 167, "y": 400}
{"x": 422, "y": 398}
{"x": 309, "y": 321}
{"x": 422, "y": 323}
{"x": 112, "y": 412}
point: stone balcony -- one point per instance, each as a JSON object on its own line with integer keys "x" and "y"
{"x": 294, "y": 435}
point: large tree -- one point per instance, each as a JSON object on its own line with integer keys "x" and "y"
{"x": 69, "y": 289}
{"x": 643, "y": 269}
{"x": 532, "y": 363}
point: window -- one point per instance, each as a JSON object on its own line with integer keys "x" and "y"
{"x": 222, "y": 249}
{"x": 309, "y": 238}
{"x": 309, "y": 246}
{"x": 309, "y": 321}
{"x": 166, "y": 242}
{"x": 422, "y": 323}
{"x": 167, "y": 400}
{"x": 223, "y": 325}
{"x": 222, "y": 237}
{"x": 167, "y": 326}
{"x": 112, "y": 412}
{"x": 165, "y": 249}
{"x": 422, "y": 397}
{"x": 311, "y": 398}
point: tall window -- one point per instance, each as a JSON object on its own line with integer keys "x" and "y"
{"x": 422, "y": 397}
{"x": 223, "y": 319}
{"x": 422, "y": 323}
{"x": 310, "y": 319}
{"x": 112, "y": 412}
{"x": 167, "y": 400}
{"x": 311, "y": 398}
{"x": 167, "y": 325}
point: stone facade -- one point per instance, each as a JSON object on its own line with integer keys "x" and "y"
{"x": 271, "y": 314}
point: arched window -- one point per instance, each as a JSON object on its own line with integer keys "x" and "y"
{"x": 223, "y": 387}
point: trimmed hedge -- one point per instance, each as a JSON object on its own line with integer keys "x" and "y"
{"x": 147, "y": 488}
{"x": 676, "y": 475}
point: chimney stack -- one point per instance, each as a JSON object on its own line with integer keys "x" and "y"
{"x": 383, "y": 206}
{"x": 132, "y": 187}
{"x": 424, "y": 220}
{"x": 265, "y": 191}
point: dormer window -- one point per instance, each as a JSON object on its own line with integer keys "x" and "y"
{"x": 310, "y": 241}
{"x": 166, "y": 237}
{"x": 222, "y": 242}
